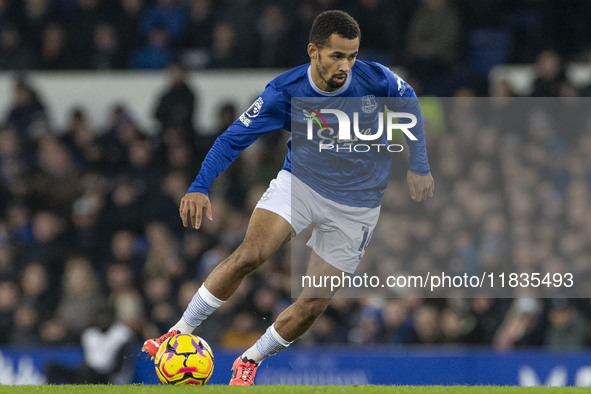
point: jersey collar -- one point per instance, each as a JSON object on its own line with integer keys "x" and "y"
{"x": 324, "y": 93}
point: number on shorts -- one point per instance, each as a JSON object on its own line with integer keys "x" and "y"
{"x": 365, "y": 239}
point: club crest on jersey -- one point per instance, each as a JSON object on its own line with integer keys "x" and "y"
{"x": 369, "y": 104}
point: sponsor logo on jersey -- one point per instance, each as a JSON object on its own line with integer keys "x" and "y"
{"x": 344, "y": 124}
{"x": 343, "y": 140}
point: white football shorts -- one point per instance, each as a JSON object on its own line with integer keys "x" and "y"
{"x": 340, "y": 232}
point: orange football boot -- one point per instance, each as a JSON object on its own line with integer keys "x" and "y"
{"x": 243, "y": 373}
{"x": 151, "y": 346}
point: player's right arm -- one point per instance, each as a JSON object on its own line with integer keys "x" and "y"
{"x": 269, "y": 112}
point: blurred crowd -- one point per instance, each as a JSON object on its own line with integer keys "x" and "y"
{"x": 443, "y": 41}
{"x": 89, "y": 214}
{"x": 89, "y": 218}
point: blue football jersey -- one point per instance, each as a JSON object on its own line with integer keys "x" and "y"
{"x": 358, "y": 179}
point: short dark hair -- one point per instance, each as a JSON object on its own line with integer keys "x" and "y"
{"x": 333, "y": 22}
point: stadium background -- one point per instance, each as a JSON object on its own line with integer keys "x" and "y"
{"x": 89, "y": 193}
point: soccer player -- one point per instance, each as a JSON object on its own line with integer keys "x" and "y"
{"x": 333, "y": 72}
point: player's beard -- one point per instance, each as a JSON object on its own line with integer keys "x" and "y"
{"x": 327, "y": 77}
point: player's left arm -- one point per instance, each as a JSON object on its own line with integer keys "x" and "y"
{"x": 421, "y": 187}
{"x": 420, "y": 181}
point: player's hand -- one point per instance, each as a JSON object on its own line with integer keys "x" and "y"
{"x": 421, "y": 186}
{"x": 191, "y": 209}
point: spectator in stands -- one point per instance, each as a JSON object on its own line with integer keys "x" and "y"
{"x": 9, "y": 298}
{"x": 489, "y": 314}
{"x": 272, "y": 29}
{"x": 457, "y": 325}
{"x": 127, "y": 21}
{"x": 25, "y": 332}
{"x": 502, "y": 88}
{"x": 227, "y": 114}
{"x": 80, "y": 137}
{"x": 522, "y": 326}
{"x": 18, "y": 217}
{"x": 162, "y": 258}
{"x": 35, "y": 290}
{"x": 321, "y": 331}
{"x": 369, "y": 324}
{"x": 81, "y": 297}
{"x": 13, "y": 54}
{"x": 567, "y": 330}
{"x": 54, "y": 53}
{"x": 125, "y": 206}
{"x": 14, "y": 164}
{"x": 242, "y": 16}
{"x": 50, "y": 243}
{"x": 381, "y": 25}
{"x": 297, "y": 35}
{"x": 397, "y": 325}
{"x": 177, "y": 105}
{"x": 325, "y": 5}
{"x": 565, "y": 28}
{"x": 55, "y": 165}
{"x": 242, "y": 331}
{"x": 164, "y": 202}
{"x": 141, "y": 167}
{"x": 193, "y": 248}
{"x": 65, "y": 5}
{"x": 167, "y": 15}
{"x": 125, "y": 296}
{"x": 102, "y": 364}
{"x": 433, "y": 40}
{"x": 550, "y": 75}
{"x": 84, "y": 19}
{"x": 224, "y": 51}
{"x": 426, "y": 325}
{"x": 26, "y": 109}
{"x": 36, "y": 15}
{"x": 106, "y": 52}
{"x": 123, "y": 252}
{"x": 5, "y": 13}
{"x": 53, "y": 332}
{"x": 157, "y": 53}
{"x": 182, "y": 157}
{"x": 158, "y": 296}
{"x": 87, "y": 232}
{"x": 118, "y": 135}
{"x": 8, "y": 257}
{"x": 199, "y": 31}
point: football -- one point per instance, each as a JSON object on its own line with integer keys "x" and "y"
{"x": 184, "y": 359}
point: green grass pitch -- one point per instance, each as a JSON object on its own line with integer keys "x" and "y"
{"x": 215, "y": 389}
